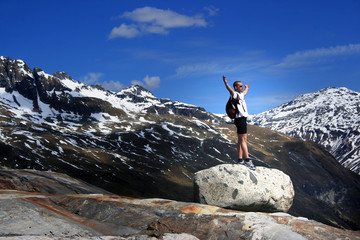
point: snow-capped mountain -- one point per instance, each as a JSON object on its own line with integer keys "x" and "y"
{"x": 60, "y": 92}
{"x": 134, "y": 144}
{"x": 329, "y": 117}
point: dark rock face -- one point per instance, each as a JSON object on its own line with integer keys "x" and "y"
{"x": 15, "y": 75}
{"x": 47, "y": 204}
{"x": 62, "y": 75}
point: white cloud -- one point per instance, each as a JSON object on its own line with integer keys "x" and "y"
{"x": 91, "y": 78}
{"x": 154, "y": 29}
{"x": 113, "y": 86}
{"x": 222, "y": 66}
{"x": 197, "y": 69}
{"x": 164, "y": 18}
{"x": 126, "y": 31}
{"x": 212, "y": 11}
{"x": 154, "y": 20}
{"x": 318, "y": 55}
{"x": 150, "y": 83}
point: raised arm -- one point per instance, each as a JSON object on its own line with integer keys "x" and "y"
{"x": 246, "y": 89}
{"x": 231, "y": 91}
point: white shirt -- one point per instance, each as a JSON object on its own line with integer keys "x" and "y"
{"x": 241, "y": 106}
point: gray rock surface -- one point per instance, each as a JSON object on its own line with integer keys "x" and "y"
{"x": 28, "y": 211}
{"x": 237, "y": 187}
{"x": 24, "y": 218}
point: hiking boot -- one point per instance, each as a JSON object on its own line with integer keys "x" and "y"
{"x": 241, "y": 162}
{"x": 250, "y": 164}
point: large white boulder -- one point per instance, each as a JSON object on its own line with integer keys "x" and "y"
{"x": 237, "y": 187}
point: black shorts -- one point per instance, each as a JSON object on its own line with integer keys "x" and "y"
{"x": 241, "y": 125}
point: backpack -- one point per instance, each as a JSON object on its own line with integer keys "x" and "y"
{"x": 231, "y": 108}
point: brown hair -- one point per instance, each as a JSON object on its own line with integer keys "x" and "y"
{"x": 236, "y": 83}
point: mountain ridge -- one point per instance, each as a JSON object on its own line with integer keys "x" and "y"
{"x": 60, "y": 88}
{"x": 329, "y": 117}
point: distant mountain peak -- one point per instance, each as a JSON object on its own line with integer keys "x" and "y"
{"x": 329, "y": 117}
{"x": 136, "y": 88}
{"x": 62, "y": 75}
{"x": 137, "y": 93}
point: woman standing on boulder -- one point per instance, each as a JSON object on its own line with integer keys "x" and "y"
{"x": 240, "y": 120}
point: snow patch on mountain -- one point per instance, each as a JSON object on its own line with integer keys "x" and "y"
{"x": 329, "y": 117}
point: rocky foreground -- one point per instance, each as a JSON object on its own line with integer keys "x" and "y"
{"x": 48, "y": 205}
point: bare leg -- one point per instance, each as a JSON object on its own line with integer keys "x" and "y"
{"x": 240, "y": 152}
{"x": 242, "y": 146}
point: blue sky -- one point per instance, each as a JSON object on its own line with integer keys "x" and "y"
{"x": 181, "y": 49}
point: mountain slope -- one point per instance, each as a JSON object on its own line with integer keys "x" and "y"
{"x": 123, "y": 143}
{"x": 329, "y": 117}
